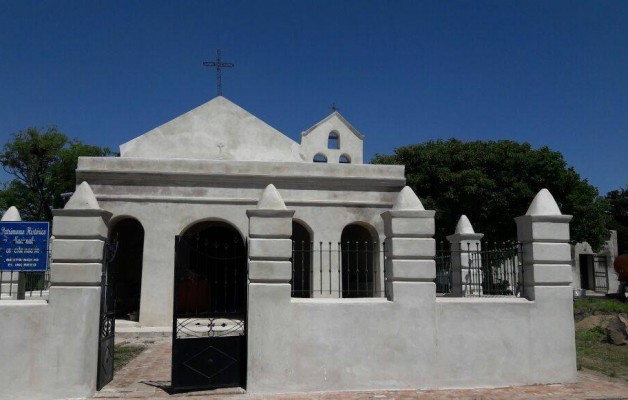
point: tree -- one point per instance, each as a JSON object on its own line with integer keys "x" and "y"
{"x": 43, "y": 164}
{"x": 618, "y": 200}
{"x": 492, "y": 182}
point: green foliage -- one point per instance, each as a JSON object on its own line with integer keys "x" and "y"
{"x": 595, "y": 334}
{"x": 591, "y": 306}
{"x": 618, "y": 200}
{"x": 493, "y": 182}
{"x": 43, "y": 164}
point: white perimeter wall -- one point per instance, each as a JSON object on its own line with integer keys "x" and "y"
{"x": 411, "y": 340}
{"x": 47, "y": 351}
{"x": 417, "y": 342}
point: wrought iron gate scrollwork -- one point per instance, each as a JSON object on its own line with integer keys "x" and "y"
{"x": 106, "y": 332}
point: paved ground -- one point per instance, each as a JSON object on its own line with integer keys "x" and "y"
{"x": 148, "y": 375}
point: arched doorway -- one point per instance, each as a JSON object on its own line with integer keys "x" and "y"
{"x": 210, "y": 304}
{"x": 127, "y": 237}
{"x": 301, "y": 261}
{"x": 359, "y": 252}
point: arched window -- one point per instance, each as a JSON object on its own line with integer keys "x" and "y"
{"x": 333, "y": 141}
{"x": 359, "y": 252}
{"x": 344, "y": 159}
{"x": 320, "y": 158}
{"x": 301, "y": 261}
{"x": 126, "y": 266}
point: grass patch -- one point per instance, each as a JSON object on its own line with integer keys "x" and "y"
{"x": 590, "y": 306}
{"x": 593, "y": 352}
{"x": 124, "y": 353}
{"x": 592, "y": 348}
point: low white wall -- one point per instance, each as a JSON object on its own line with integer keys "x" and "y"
{"x": 416, "y": 342}
{"x": 338, "y": 344}
{"x": 493, "y": 342}
{"x": 46, "y": 350}
{"x": 49, "y": 349}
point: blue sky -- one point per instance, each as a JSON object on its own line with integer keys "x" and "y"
{"x": 552, "y": 73}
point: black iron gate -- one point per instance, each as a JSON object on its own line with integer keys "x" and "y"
{"x": 600, "y": 273}
{"x": 209, "y": 320}
{"x": 107, "y": 325}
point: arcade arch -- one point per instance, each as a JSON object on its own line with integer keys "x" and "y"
{"x": 127, "y": 235}
{"x": 359, "y": 250}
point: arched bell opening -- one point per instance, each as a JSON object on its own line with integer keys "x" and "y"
{"x": 127, "y": 238}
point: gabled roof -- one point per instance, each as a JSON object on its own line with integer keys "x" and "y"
{"x": 216, "y": 130}
{"x": 335, "y": 115}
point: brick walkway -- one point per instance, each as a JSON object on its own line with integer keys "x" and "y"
{"x": 148, "y": 376}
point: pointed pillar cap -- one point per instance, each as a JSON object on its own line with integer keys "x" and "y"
{"x": 83, "y": 199}
{"x": 12, "y": 214}
{"x": 271, "y": 199}
{"x": 464, "y": 225}
{"x": 543, "y": 204}
{"x": 407, "y": 200}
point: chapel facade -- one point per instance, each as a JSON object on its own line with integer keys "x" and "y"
{"x": 197, "y": 175}
{"x": 281, "y": 267}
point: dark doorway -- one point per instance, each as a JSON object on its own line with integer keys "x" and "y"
{"x": 359, "y": 250}
{"x": 586, "y": 263}
{"x": 128, "y": 237}
{"x": 301, "y": 261}
{"x": 210, "y": 295}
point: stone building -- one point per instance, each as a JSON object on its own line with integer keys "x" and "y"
{"x": 593, "y": 271}
{"x": 206, "y": 168}
{"x": 280, "y": 267}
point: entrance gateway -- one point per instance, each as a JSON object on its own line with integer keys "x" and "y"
{"x": 209, "y": 315}
{"x": 107, "y": 320}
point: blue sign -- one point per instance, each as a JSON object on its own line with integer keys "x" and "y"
{"x": 24, "y": 246}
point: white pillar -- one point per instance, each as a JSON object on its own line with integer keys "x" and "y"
{"x": 80, "y": 231}
{"x": 544, "y": 234}
{"x": 270, "y": 271}
{"x": 466, "y": 264}
{"x": 12, "y": 286}
{"x": 410, "y": 248}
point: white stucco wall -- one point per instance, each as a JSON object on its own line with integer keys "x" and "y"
{"x": 168, "y": 196}
{"x": 412, "y": 339}
{"x": 49, "y": 350}
{"x": 417, "y": 342}
{"x": 484, "y": 342}
{"x": 218, "y": 130}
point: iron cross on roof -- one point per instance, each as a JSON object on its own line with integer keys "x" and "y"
{"x": 219, "y": 66}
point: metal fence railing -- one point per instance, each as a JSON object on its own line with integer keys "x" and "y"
{"x": 480, "y": 270}
{"x": 342, "y": 269}
{"x": 25, "y": 284}
{"x": 443, "y": 270}
{"x": 19, "y": 285}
